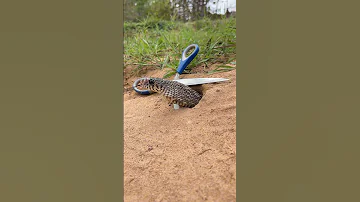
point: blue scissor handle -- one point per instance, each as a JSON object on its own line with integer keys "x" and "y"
{"x": 185, "y": 61}
{"x": 142, "y": 92}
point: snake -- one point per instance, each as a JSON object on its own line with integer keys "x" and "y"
{"x": 175, "y": 92}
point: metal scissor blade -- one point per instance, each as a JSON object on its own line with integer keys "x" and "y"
{"x": 198, "y": 81}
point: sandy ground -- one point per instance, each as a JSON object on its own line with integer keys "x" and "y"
{"x": 180, "y": 155}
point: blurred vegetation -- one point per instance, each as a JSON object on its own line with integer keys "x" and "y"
{"x": 184, "y": 10}
{"x": 157, "y": 37}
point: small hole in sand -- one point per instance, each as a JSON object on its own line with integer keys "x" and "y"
{"x": 198, "y": 88}
{"x": 201, "y": 89}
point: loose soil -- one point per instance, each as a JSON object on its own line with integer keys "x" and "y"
{"x": 180, "y": 155}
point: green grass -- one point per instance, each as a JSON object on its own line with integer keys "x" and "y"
{"x": 157, "y": 43}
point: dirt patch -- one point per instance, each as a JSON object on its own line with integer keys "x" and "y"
{"x": 180, "y": 155}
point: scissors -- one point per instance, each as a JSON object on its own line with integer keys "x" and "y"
{"x": 184, "y": 62}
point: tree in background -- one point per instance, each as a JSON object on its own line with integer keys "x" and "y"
{"x": 161, "y": 9}
{"x": 135, "y": 10}
{"x": 198, "y": 9}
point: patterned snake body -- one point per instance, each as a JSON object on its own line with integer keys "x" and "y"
{"x": 175, "y": 92}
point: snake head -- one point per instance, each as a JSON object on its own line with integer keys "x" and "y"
{"x": 150, "y": 84}
{"x": 144, "y": 82}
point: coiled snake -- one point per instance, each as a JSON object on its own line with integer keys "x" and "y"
{"x": 175, "y": 92}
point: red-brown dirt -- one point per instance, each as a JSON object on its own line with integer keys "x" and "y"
{"x": 180, "y": 155}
